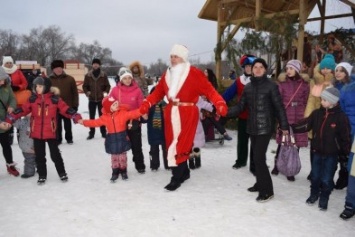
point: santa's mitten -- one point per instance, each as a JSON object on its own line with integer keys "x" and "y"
{"x": 144, "y": 109}
{"x": 221, "y": 108}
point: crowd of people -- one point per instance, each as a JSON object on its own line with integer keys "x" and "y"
{"x": 320, "y": 111}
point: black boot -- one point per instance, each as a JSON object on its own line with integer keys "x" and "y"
{"x": 192, "y": 163}
{"x": 173, "y": 185}
{"x": 197, "y": 155}
{"x": 342, "y": 181}
{"x": 124, "y": 174}
{"x": 115, "y": 173}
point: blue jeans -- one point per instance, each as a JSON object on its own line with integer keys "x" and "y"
{"x": 322, "y": 174}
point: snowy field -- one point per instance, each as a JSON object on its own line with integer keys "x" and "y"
{"x": 213, "y": 202}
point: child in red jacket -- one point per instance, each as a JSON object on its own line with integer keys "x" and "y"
{"x": 44, "y": 104}
{"x": 114, "y": 117}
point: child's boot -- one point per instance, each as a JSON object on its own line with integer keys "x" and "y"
{"x": 115, "y": 173}
{"x": 124, "y": 174}
{"x": 11, "y": 169}
{"x": 347, "y": 213}
{"x": 197, "y": 155}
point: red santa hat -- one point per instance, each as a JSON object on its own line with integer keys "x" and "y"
{"x": 107, "y": 102}
{"x": 181, "y": 51}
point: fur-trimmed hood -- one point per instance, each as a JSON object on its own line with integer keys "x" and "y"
{"x": 140, "y": 66}
{"x": 319, "y": 78}
{"x": 282, "y": 77}
{"x": 102, "y": 74}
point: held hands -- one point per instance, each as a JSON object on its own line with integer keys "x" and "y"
{"x": 76, "y": 117}
{"x": 144, "y": 109}
{"x": 10, "y": 110}
{"x": 285, "y": 132}
{"x": 221, "y": 108}
{"x": 80, "y": 121}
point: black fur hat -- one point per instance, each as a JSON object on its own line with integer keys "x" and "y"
{"x": 44, "y": 82}
{"x": 57, "y": 63}
{"x": 96, "y": 60}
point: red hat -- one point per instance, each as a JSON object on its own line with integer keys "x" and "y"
{"x": 107, "y": 102}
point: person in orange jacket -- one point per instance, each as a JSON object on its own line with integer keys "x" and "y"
{"x": 114, "y": 117}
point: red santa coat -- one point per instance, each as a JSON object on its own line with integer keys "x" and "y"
{"x": 181, "y": 115}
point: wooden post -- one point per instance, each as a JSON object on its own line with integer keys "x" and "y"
{"x": 218, "y": 51}
{"x": 322, "y": 21}
{"x": 302, "y": 22}
{"x": 258, "y": 5}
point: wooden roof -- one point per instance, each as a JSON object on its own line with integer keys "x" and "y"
{"x": 239, "y": 11}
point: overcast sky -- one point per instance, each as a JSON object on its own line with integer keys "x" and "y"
{"x": 142, "y": 30}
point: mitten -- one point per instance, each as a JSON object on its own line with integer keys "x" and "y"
{"x": 15, "y": 88}
{"x": 144, "y": 109}
{"x": 76, "y": 117}
{"x": 221, "y": 108}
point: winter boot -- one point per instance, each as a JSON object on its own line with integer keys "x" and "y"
{"x": 115, "y": 173}
{"x": 173, "y": 185}
{"x": 347, "y": 213}
{"x": 41, "y": 180}
{"x": 11, "y": 169}
{"x": 124, "y": 174}
{"x": 197, "y": 155}
{"x": 342, "y": 181}
{"x": 63, "y": 177}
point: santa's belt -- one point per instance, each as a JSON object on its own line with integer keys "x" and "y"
{"x": 177, "y": 103}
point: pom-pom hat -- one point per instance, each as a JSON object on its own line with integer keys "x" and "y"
{"x": 107, "y": 102}
{"x": 180, "y": 51}
{"x": 328, "y": 62}
{"x": 246, "y": 59}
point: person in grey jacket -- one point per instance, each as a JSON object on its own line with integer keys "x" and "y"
{"x": 263, "y": 100}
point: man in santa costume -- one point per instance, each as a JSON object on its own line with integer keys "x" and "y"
{"x": 182, "y": 84}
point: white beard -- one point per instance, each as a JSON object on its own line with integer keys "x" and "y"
{"x": 176, "y": 76}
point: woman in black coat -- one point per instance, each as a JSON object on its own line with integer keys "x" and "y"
{"x": 263, "y": 100}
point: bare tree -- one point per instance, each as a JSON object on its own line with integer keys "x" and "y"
{"x": 9, "y": 42}
{"x": 86, "y": 52}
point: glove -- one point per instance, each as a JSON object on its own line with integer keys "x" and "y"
{"x": 144, "y": 109}
{"x": 15, "y": 88}
{"x": 76, "y": 117}
{"x": 221, "y": 108}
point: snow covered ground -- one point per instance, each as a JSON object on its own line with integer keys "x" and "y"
{"x": 213, "y": 202}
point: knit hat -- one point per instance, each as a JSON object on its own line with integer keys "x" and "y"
{"x": 4, "y": 75}
{"x": 57, "y": 63}
{"x": 124, "y": 72}
{"x": 246, "y": 59}
{"x": 44, "y": 82}
{"x": 181, "y": 51}
{"x": 259, "y": 60}
{"x": 327, "y": 62}
{"x": 295, "y": 64}
{"x": 107, "y": 102}
{"x": 330, "y": 94}
{"x": 96, "y": 60}
{"x": 7, "y": 59}
{"x": 346, "y": 66}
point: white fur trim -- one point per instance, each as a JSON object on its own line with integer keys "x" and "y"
{"x": 175, "y": 83}
{"x": 10, "y": 70}
{"x": 244, "y": 79}
{"x": 176, "y": 125}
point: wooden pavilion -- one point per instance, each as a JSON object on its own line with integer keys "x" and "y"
{"x": 246, "y": 13}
